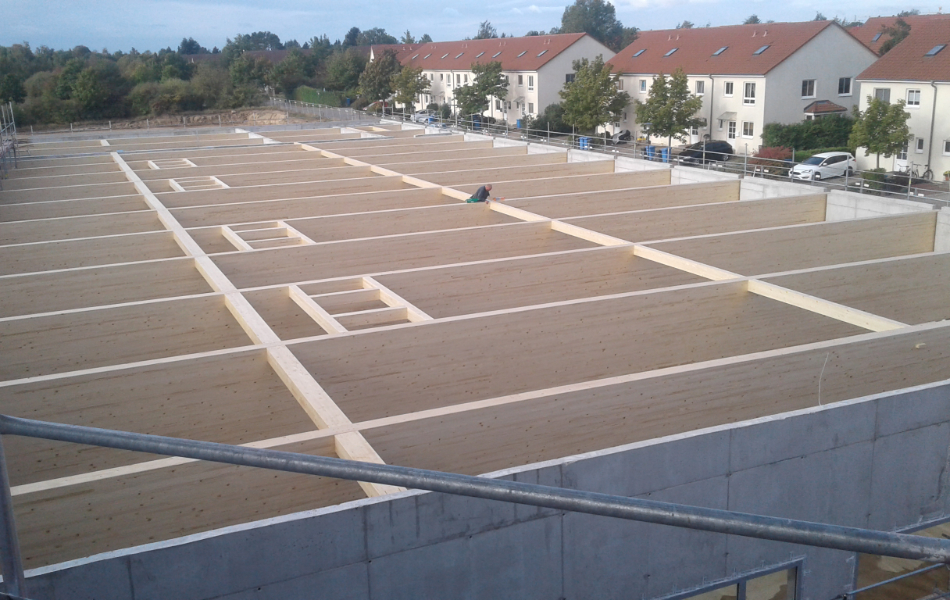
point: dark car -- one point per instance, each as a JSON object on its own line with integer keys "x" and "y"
{"x": 715, "y": 151}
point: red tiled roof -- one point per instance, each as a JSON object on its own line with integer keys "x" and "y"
{"x": 378, "y": 49}
{"x": 875, "y": 25}
{"x": 907, "y": 61}
{"x": 819, "y": 107}
{"x": 695, "y": 48}
{"x": 515, "y": 54}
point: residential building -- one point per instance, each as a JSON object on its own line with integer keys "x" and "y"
{"x": 873, "y": 33}
{"x": 916, "y": 71}
{"x": 537, "y": 67}
{"x": 748, "y": 75}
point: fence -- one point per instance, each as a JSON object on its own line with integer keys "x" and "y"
{"x": 8, "y": 140}
{"x": 319, "y": 111}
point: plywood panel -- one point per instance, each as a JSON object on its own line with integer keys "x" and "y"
{"x": 111, "y": 336}
{"x": 238, "y": 165}
{"x": 424, "y": 157}
{"x": 69, "y": 254}
{"x": 339, "y": 147}
{"x": 315, "y": 174}
{"x": 74, "y": 192}
{"x": 568, "y": 423}
{"x": 71, "y": 208}
{"x": 708, "y": 219}
{"x": 636, "y": 198}
{"x": 480, "y": 176}
{"x": 340, "y": 259}
{"x": 46, "y": 180}
{"x": 78, "y": 521}
{"x": 250, "y": 212}
{"x": 233, "y": 399}
{"x": 216, "y": 156}
{"x": 913, "y": 290}
{"x": 369, "y": 377}
{"x": 459, "y": 290}
{"x": 577, "y": 183}
{"x": 809, "y": 246}
{"x": 378, "y": 150}
{"x": 31, "y": 168}
{"x": 100, "y": 286}
{"x": 25, "y": 232}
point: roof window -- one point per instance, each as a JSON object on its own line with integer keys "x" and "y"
{"x": 877, "y": 36}
{"x": 761, "y": 50}
{"x": 444, "y": 55}
{"x": 415, "y": 57}
{"x": 495, "y": 55}
{"x": 479, "y": 54}
{"x": 720, "y": 51}
{"x": 639, "y": 52}
{"x": 427, "y": 56}
{"x": 542, "y": 53}
{"x": 671, "y": 52}
{"x": 522, "y": 54}
{"x": 936, "y": 50}
{"x": 460, "y": 55}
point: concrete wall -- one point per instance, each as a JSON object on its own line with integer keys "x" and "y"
{"x": 690, "y": 175}
{"x": 849, "y": 205}
{"x": 753, "y": 188}
{"x": 844, "y": 463}
{"x": 625, "y": 163}
{"x": 942, "y": 236}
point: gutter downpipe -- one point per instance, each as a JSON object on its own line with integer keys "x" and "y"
{"x": 933, "y": 115}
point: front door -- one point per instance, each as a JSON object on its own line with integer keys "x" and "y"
{"x": 900, "y": 160}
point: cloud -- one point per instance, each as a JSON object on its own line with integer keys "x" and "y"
{"x": 543, "y": 9}
{"x": 451, "y": 12}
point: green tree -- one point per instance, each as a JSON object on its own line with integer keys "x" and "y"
{"x": 290, "y": 73}
{"x": 190, "y": 46}
{"x": 343, "y": 70}
{"x": 250, "y": 71}
{"x": 820, "y": 17}
{"x": 487, "y": 82}
{"x": 670, "y": 108}
{"x": 597, "y": 18}
{"x": 12, "y": 89}
{"x": 408, "y": 84}
{"x": 685, "y": 25}
{"x": 486, "y": 31}
{"x": 351, "y": 37}
{"x": 376, "y": 82}
{"x": 592, "y": 99}
{"x": 375, "y": 36}
{"x": 896, "y": 33}
{"x": 752, "y": 20}
{"x": 407, "y": 38}
{"x": 881, "y": 129}
{"x": 425, "y": 39}
{"x": 67, "y": 78}
{"x": 552, "y": 117}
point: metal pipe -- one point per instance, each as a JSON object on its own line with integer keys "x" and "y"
{"x": 926, "y": 569}
{"x": 12, "y": 560}
{"x": 771, "y": 528}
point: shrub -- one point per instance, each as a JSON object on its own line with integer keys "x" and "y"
{"x": 827, "y": 131}
{"x": 770, "y": 160}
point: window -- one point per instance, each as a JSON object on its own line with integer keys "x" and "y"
{"x": 913, "y": 98}
{"x": 441, "y": 77}
{"x": 458, "y": 78}
{"x": 625, "y": 115}
{"x": 749, "y": 97}
{"x": 727, "y": 91}
{"x": 531, "y": 107}
{"x": 427, "y": 55}
{"x": 520, "y": 79}
{"x": 808, "y": 88}
{"x": 877, "y": 36}
{"x": 497, "y": 104}
{"x": 479, "y": 54}
{"x": 639, "y": 52}
{"x": 720, "y": 51}
{"x": 542, "y": 53}
{"x": 902, "y": 154}
{"x": 643, "y": 86}
{"x": 530, "y": 82}
{"x": 496, "y": 54}
{"x": 919, "y": 148}
{"x": 670, "y": 53}
{"x": 523, "y": 52}
{"x": 883, "y": 94}
{"x": 761, "y": 50}
{"x": 466, "y": 78}
{"x": 569, "y": 78}
{"x": 748, "y": 129}
{"x": 620, "y": 84}
{"x": 444, "y": 55}
{"x": 732, "y": 130}
{"x": 946, "y": 147}
{"x": 936, "y": 50}
{"x": 844, "y": 86}
{"x": 415, "y": 57}
{"x": 700, "y": 88}
{"x": 460, "y": 55}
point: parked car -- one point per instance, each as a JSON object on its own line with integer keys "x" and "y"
{"x": 621, "y": 137}
{"x": 423, "y": 116}
{"x": 715, "y": 150}
{"x": 824, "y": 166}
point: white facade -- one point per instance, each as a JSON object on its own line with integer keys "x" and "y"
{"x": 929, "y": 123}
{"x": 737, "y": 107}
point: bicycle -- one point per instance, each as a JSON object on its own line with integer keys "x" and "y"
{"x": 914, "y": 172}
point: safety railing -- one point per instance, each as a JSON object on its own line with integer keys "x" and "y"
{"x": 857, "y": 594}
{"x": 649, "y": 511}
{"x": 8, "y": 140}
{"x": 319, "y": 112}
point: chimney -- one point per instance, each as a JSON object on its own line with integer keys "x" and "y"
{"x": 754, "y": 32}
{"x": 677, "y": 36}
{"x": 766, "y": 33}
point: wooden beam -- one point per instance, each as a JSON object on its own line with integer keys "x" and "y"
{"x": 316, "y": 312}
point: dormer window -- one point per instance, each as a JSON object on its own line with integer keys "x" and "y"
{"x": 761, "y": 50}
{"x": 522, "y": 54}
{"x": 670, "y": 53}
{"x": 639, "y": 52}
{"x": 720, "y": 51}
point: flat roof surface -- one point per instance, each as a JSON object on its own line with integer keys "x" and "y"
{"x": 329, "y": 291}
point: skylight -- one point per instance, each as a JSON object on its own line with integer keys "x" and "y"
{"x": 522, "y": 54}
{"x": 479, "y": 54}
{"x": 935, "y": 50}
{"x": 543, "y": 52}
{"x": 460, "y": 55}
{"x": 639, "y": 52}
{"x": 720, "y": 51}
{"x": 761, "y": 50}
{"x": 877, "y": 36}
{"x": 415, "y": 57}
{"x": 427, "y": 56}
{"x": 495, "y": 55}
{"x": 671, "y": 52}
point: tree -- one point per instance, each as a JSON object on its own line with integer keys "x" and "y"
{"x": 375, "y": 36}
{"x": 376, "y": 82}
{"x": 592, "y": 99}
{"x": 351, "y": 37}
{"x": 11, "y": 89}
{"x": 190, "y": 46}
{"x": 670, "y": 108}
{"x": 533, "y": 33}
{"x": 820, "y": 17}
{"x": 909, "y": 13}
{"x": 425, "y": 39}
{"x": 752, "y": 20}
{"x": 407, "y": 38}
{"x": 596, "y": 18}
{"x": 551, "y": 118}
{"x": 881, "y": 129}
{"x": 486, "y": 31}
{"x": 685, "y": 25}
{"x": 409, "y": 84}
{"x": 487, "y": 82}
{"x": 897, "y": 33}
{"x": 344, "y": 70}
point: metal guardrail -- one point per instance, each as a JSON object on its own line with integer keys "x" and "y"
{"x": 8, "y": 139}
{"x": 649, "y": 511}
{"x": 851, "y": 595}
{"x": 320, "y": 111}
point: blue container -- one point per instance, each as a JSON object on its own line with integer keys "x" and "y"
{"x": 649, "y": 152}
{"x": 584, "y": 143}
{"x": 665, "y": 154}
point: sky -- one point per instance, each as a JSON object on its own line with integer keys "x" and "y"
{"x": 154, "y": 24}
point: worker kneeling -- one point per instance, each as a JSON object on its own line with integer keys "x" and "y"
{"x": 481, "y": 194}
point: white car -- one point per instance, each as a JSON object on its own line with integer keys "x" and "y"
{"x": 423, "y": 116}
{"x": 824, "y": 166}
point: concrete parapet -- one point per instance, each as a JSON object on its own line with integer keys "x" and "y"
{"x": 843, "y": 206}
{"x": 942, "y": 237}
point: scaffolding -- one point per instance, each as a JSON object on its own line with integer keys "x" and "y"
{"x": 8, "y": 140}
